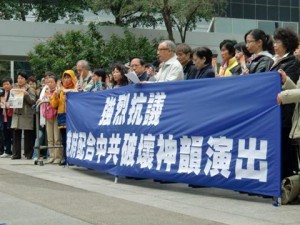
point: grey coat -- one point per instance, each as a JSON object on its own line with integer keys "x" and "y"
{"x": 23, "y": 118}
{"x": 292, "y": 95}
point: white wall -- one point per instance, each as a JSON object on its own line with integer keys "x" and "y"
{"x": 17, "y": 38}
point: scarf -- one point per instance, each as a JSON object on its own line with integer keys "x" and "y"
{"x": 69, "y": 86}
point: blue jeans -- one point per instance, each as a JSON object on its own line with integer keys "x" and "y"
{"x": 40, "y": 140}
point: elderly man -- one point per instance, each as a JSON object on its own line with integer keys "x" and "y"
{"x": 138, "y": 66}
{"x": 85, "y": 75}
{"x": 170, "y": 69}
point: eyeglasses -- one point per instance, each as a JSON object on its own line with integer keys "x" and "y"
{"x": 162, "y": 49}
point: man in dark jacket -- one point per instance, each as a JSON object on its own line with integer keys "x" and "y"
{"x": 184, "y": 55}
{"x": 138, "y": 66}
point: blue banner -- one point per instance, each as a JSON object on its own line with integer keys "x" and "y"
{"x": 219, "y": 132}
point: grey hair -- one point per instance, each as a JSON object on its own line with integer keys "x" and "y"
{"x": 170, "y": 45}
{"x": 84, "y": 64}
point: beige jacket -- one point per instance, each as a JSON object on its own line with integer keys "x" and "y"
{"x": 23, "y": 118}
{"x": 291, "y": 94}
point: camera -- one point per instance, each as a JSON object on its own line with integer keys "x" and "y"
{"x": 2, "y": 92}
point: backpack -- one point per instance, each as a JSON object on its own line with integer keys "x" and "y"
{"x": 48, "y": 112}
{"x": 290, "y": 188}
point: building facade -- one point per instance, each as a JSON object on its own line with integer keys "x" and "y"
{"x": 268, "y": 15}
{"x": 275, "y": 10}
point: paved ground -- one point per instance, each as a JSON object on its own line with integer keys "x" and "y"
{"x": 52, "y": 194}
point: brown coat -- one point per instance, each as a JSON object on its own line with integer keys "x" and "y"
{"x": 23, "y": 118}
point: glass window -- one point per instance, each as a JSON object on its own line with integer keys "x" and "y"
{"x": 267, "y": 27}
{"x": 273, "y": 13}
{"x": 284, "y": 14}
{"x": 261, "y": 2}
{"x": 295, "y": 3}
{"x": 285, "y": 3}
{"x": 294, "y": 14}
{"x": 273, "y": 2}
{"x": 261, "y": 12}
{"x": 237, "y": 10}
{"x": 4, "y": 69}
{"x": 235, "y": 1}
{"x": 249, "y": 11}
{"x": 249, "y": 1}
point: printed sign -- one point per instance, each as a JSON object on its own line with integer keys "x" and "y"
{"x": 16, "y": 98}
{"x": 219, "y": 132}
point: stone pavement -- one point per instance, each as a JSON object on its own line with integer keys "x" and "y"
{"x": 50, "y": 194}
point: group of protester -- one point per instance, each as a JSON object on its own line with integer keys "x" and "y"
{"x": 257, "y": 53}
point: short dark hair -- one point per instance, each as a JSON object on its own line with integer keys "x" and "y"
{"x": 53, "y": 77}
{"x": 204, "y": 52}
{"x": 100, "y": 73}
{"x": 288, "y": 38}
{"x": 32, "y": 79}
{"x": 142, "y": 62}
{"x": 241, "y": 46}
{"x": 229, "y": 45}
{"x": 6, "y": 79}
{"x": 23, "y": 74}
{"x": 184, "y": 48}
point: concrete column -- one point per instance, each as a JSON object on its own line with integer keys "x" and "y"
{"x": 12, "y": 70}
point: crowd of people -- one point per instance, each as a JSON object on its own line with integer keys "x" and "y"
{"x": 257, "y": 53}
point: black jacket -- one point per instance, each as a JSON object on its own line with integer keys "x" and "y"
{"x": 259, "y": 64}
{"x": 290, "y": 64}
{"x": 143, "y": 76}
{"x": 189, "y": 71}
{"x": 205, "y": 72}
{"x": 292, "y": 67}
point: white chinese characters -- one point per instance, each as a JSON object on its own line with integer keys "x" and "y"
{"x": 125, "y": 109}
{"x": 182, "y": 155}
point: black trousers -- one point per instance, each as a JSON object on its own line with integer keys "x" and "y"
{"x": 289, "y": 160}
{"x": 7, "y": 137}
{"x": 63, "y": 133}
{"x": 29, "y": 138}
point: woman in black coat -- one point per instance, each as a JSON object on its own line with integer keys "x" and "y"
{"x": 202, "y": 58}
{"x": 285, "y": 43}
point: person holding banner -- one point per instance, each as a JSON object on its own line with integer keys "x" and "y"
{"x": 22, "y": 119}
{"x": 58, "y": 101}
{"x": 291, "y": 94}
{"x": 297, "y": 52}
{"x": 285, "y": 43}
